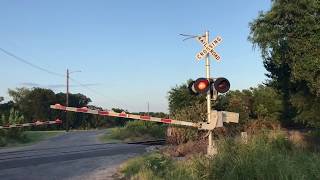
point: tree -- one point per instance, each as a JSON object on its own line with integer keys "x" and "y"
{"x": 14, "y": 117}
{"x": 179, "y": 98}
{"x": 1, "y": 98}
{"x": 18, "y": 94}
{"x": 262, "y": 102}
{"x": 288, "y": 36}
{"x": 266, "y": 103}
{"x": 20, "y": 102}
{"x": 33, "y": 103}
{"x": 6, "y": 107}
{"x": 75, "y": 100}
{"x": 240, "y": 102}
{"x": 38, "y": 102}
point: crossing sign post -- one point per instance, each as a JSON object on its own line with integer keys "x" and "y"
{"x": 208, "y": 49}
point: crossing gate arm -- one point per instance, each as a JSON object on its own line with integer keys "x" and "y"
{"x": 37, "y": 123}
{"x": 127, "y": 115}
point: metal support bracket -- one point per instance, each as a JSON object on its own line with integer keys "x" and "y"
{"x": 218, "y": 118}
{"x": 214, "y": 116}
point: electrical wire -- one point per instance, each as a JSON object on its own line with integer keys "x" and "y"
{"x": 56, "y": 74}
{"x": 29, "y": 63}
{"x": 188, "y": 36}
{"x": 97, "y": 92}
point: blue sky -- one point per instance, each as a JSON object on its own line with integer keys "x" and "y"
{"x": 129, "y": 52}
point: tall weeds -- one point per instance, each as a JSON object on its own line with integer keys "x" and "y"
{"x": 263, "y": 157}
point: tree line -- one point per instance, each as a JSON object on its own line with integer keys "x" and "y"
{"x": 34, "y": 104}
{"x": 288, "y": 36}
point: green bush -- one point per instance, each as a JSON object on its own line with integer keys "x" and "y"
{"x": 156, "y": 163}
{"x": 264, "y": 158}
{"x": 12, "y": 135}
{"x": 138, "y": 130}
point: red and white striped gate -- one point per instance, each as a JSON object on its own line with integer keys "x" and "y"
{"x": 217, "y": 117}
{"x": 36, "y": 123}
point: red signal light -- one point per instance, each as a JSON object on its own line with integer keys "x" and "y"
{"x": 202, "y": 85}
{"x": 199, "y": 86}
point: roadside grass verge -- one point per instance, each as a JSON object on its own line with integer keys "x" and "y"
{"x": 107, "y": 137}
{"x": 31, "y": 137}
{"x": 135, "y": 131}
{"x": 263, "y": 157}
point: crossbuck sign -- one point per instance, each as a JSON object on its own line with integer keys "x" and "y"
{"x": 208, "y": 47}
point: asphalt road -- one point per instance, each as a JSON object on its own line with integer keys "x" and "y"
{"x": 73, "y": 155}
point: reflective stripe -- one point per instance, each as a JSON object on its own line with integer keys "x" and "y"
{"x": 58, "y": 106}
{"x": 122, "y": 115}
{"x": 82, "y": 110}
{"x": 103, "y": 113}
{"x": 145, "y": 117}
{"x": 166, "y": 120}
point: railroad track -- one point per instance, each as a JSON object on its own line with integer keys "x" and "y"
{"x": 150, "y": 142}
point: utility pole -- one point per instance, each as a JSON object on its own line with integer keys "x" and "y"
{"x": 148, "y": 108}
{"x": 67, "y": 98}
{"x": 67, "y": 101}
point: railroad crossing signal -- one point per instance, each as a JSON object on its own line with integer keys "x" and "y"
{"x": 208, "y": 47}
{"x": 211, "y": 88}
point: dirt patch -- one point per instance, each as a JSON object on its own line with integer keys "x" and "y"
{"x": 186, "y": 149}
{"x": 109, "y": 172}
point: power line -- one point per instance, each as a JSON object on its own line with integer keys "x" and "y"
{"x": 29, "y": 63}
{"x": 97, "y": 92}
{"x": 54, "y": 73}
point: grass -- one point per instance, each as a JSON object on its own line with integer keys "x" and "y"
{"x": 107, "y": 137}
{"x": 263, "y": 157}
{"x": 32, "y": 137}
{"x": 36, "y": 136}
{"x": 135, "y": 131}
